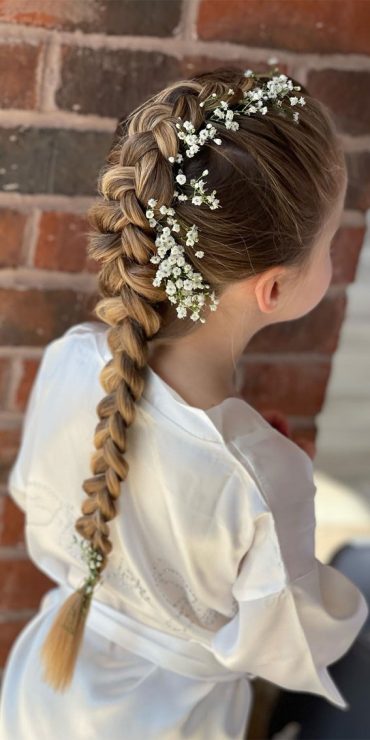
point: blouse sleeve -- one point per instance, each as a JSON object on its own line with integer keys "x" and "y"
{"x": 19, "y": 472}
{"x": 291, "y": 622}
{"x": 36, "y": 424}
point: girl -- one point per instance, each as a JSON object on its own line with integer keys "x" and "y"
{"x": 194, "y": 570}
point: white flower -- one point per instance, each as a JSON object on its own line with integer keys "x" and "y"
{"x": 184, "y": 286}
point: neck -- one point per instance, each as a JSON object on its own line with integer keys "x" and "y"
{"x": 201, "y": 366}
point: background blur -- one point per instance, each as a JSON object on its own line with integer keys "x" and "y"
{"x": 68, "y": 70}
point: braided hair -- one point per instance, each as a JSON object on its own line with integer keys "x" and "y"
{"x": 276, "y": 182}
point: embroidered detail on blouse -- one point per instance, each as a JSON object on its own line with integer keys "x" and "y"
{"x": 42, "y": 504}
{"x": 187, "y": 610}
{"x": 119, "y": 574}
{"x": 182, "y": 600}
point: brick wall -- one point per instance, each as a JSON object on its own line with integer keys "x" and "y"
{"x": 69, "y": 68}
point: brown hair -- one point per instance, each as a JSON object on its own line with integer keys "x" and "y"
{"x": 276, "y": 181}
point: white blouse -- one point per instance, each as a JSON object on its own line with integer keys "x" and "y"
{"x": 212, "y": 579}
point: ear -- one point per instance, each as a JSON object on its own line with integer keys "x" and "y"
{"x": 268, "y": 289}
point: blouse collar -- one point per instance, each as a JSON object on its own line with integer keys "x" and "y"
{"x": 207, "y": 425}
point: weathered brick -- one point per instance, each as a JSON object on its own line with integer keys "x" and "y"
{"x": 310, "y": 26}
{"x": 317, "y": 331}
{"x": 306, "y": 429}
{"x": 293, "y": 387}
{"x": 198, "y": 63}
{"x": 22, "y": 585}
{"x": 11, "y": 524}
{"x": 5, "y": 371}
{"x": 8, "y": 634}
{"x": 51, "y": 160}
{"x": 147, "y": 17}
{"x": 18, "y": 64}
{"x": 12, "y": 225}
{"x": 62, "y": 242}
{"x": 346, "y": 93}
{"x": 66, "y": 15}
{"x": 9, "y": 445}
{"x": 358, "y": 191}
{"x": 34, "y": 317}
{"x": 112, "y": 83}
{"x": 29, "y": 370}
{"x": 346, "y": 248}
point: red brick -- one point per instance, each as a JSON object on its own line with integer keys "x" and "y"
{"x": 147, "y": 17}
{"x": 22, "y": 392}
{"x": 18, "y": 64}
{"x": 9, "y": 445}
{"x": 12, "y": 523}
{"x": 22, "y": 585}
{"x": 61, "y": 242}
{"x": 112, "y": 82}
{"x": 34, "y": 317}
{"x": 299, "y": 25}
{"x": 317, "y": 331}
{"x": 346, "y": 248}
{"x": 5, "y": 373}
{"x": 346, "y": 93}
{"x": 60, "y": 14}
{"x": 8, "y": 634}
{"x": 52, "y": 160}
{"x": 307, "y": 429}
{"x": 11, "y": 229}
{"x": 295, "y": 387}
{"x": 196, "y": 64}
{"x": 358, "y": 191}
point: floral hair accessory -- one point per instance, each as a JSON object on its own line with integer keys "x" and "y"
{"x": 183, "y": 285}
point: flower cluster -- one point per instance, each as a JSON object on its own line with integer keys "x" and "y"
{"x": 183, "y": 285}
{"x": 93, "y": 559}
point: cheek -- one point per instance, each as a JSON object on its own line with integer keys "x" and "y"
{"x": 317, "y": 285}
{"x": 323, "y": 277}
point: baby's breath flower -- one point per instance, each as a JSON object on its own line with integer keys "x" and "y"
{"x": 184, "y": 286}
{"x": 93, "y": 558}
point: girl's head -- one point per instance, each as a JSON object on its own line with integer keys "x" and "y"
{"x": 280, "y": 185}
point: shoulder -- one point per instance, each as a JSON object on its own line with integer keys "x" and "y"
{"x": 281, "y": 469}
{"x": 283, "y": 474}
{"x": 77, "y": 344}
